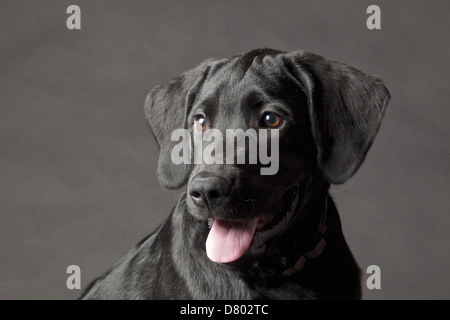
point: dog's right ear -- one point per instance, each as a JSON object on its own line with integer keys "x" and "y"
{"x": 165, "y": 109}
{"x": 346, "y": 107}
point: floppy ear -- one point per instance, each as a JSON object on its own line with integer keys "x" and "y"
{"x": 165, "y": 109}
{"x": 346, "y": 107}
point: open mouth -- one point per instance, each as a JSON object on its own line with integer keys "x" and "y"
{"x": 228, "y": 240}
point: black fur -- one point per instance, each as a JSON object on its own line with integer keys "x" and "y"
{"x": 332, "y": 113}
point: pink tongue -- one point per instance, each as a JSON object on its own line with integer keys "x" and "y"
{"x": 227, "y": 241}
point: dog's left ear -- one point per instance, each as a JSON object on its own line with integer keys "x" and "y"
{"x": 346, "y": 107}
{"x": 165, "y": 109}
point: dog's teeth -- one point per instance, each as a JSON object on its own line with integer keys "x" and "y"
{"x": 210, "y": 222}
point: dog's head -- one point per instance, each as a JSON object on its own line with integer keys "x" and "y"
{"x": 319, "y": 117}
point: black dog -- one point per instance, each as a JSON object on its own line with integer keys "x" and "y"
{"x": 238, "y": 234}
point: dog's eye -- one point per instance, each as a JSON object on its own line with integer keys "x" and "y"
{"x": 271, "y": 120}
{"x": 200, "y": 122}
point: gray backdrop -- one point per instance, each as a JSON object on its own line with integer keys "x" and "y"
{"x": 77, "y": 161}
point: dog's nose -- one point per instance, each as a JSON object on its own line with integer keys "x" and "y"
{"x": 209, "y": 192}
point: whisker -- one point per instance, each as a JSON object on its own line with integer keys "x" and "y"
{"x": 352, "y": 193}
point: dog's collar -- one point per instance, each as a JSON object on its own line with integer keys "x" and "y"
{"x": 279, "y": 266}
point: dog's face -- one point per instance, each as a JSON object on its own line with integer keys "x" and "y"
{"x": 323, "y": 117}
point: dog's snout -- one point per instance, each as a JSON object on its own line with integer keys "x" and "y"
{"x": 209, "y": 192}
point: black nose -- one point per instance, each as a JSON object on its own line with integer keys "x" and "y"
{"x": 209, "y": 192}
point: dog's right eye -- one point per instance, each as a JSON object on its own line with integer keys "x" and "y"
{"x": 271, "y": 120}
{"x": 200, "y": 122}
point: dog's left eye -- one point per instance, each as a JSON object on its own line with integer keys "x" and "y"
{"x": 271, "y": 120}
{"x": 200, "y": 122}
